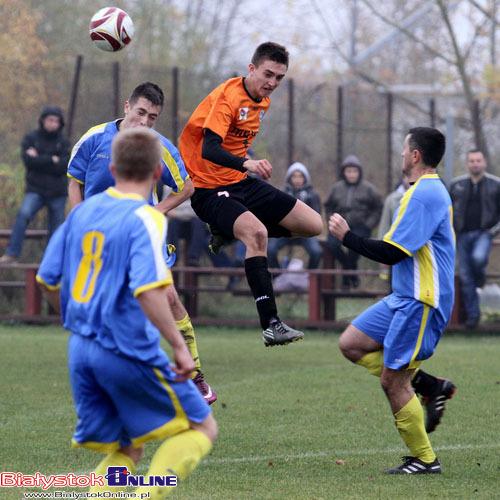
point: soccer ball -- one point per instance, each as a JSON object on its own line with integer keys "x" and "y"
{"x": 111, "y": 29}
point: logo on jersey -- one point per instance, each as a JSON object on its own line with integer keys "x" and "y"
{"x": 243, "y": 114}
{"x": 262, "y": 113}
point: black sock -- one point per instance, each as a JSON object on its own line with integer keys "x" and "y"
{"x": 259, "y": 279}
{"x": 424, "y": 384}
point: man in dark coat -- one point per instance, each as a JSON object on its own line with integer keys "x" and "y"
{"x": 360, "y": 204}
{"x": 45, "y": 153}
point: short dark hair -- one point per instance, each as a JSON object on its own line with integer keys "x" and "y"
{"x": 475, "y": 150}
{"x": 135, "y": 153}
{"x": 430, "y": 142}
{"x": 270, "y": 51}
{"x": 149, "y": 91}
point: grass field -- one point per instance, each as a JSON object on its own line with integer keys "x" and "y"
{"x": 285, "y": 415}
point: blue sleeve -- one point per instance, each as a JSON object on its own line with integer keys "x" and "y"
{"x": 414, "y": 225}
{"x": 174, "y": 172}
{"x": 80, "y": 158}
{"x": 51, "y": 267}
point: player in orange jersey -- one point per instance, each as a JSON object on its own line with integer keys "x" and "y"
{"x": 213, "y": 146}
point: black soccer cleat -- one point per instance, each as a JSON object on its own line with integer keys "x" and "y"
{"x": 435, "y": 404}
{"x": 217, "y": 241}
{"x": 279, "y": 333}
{"x": 413, "y": 465}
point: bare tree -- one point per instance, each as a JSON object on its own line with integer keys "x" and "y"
{"x": 448, "y": 39}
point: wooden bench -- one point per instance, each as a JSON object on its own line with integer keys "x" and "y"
{"x": 322, "y": 294}
{"x": 32, "y": 293}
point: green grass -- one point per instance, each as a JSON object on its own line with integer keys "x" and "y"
{"x": 285, "y": 416}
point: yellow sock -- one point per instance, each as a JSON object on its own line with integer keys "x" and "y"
{"x": 187, "y": 330}
{"x": 410, "y": 424}
{"x": 114, "y": 459}
{"x": 373, "y": 362}
{"x": 178, "y": 455}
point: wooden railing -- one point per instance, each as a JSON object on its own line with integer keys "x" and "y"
{"x": 321, "y": 295}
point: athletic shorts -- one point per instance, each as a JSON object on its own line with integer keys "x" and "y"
{"x": 408, "y": 329}
{"x": 221, "y": 206}
{"x": 120, "y": 401}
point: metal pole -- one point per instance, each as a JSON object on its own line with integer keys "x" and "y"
{"x": 74, "y": 93}
{"x": 291, "y": 120}
{"x": 432, "y": 112}
{"x": 389, "y": 143}
{"x": 175, "y": 104}
{"x": 450, "y": 148}
{"x": 116, "y": 89}
{"x": 340, "y": 125}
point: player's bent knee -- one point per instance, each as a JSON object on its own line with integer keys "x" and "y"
{"x": 394, "y": 381}
{"x": 261, "y": 237}
{"x": 346, "y": 347}
{"x": 256, "y": 240}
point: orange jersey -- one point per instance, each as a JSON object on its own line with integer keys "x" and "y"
{"x": 230, "y": 112}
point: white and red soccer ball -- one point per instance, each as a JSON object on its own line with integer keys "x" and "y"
{"x": 111, "y": 29}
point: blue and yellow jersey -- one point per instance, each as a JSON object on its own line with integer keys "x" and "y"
{"x": 108, "y": 251}
{"x": 423, "y": 228}
{"x": 91, "y": 156}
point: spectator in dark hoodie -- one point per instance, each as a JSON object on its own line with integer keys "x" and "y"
{"x": 298, "y": 184}
{"x": 45, "y": 153}
{"x": 360, "y": 204}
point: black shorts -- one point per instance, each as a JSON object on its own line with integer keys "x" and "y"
{"x": 221, "y": 206}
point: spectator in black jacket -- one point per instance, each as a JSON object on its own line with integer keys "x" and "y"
{"x": 298, "y": 184}
{"x": 45, "y": 153}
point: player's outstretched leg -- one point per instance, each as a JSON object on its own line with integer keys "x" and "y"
{"x": 116, "y": 459}
{"x": 434, "y": 391}
{"x": 179, "y": 456}
{"x": 275, "y": 332}
{"x": 409, "y": 416}
{"x": 186, "y": 328}
{"x": 183, "y": 322}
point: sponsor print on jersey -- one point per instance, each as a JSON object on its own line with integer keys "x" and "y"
{"x": 243, "y": 114}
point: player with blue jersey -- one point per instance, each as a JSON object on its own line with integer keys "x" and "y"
{"x": 104, "y": 270}
{"x": 89, "y": 174}
{"x": 393, "y": 337}
{"x": 89, "y": 162}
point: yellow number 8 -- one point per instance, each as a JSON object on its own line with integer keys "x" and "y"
{"x": 91, "y": 264}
